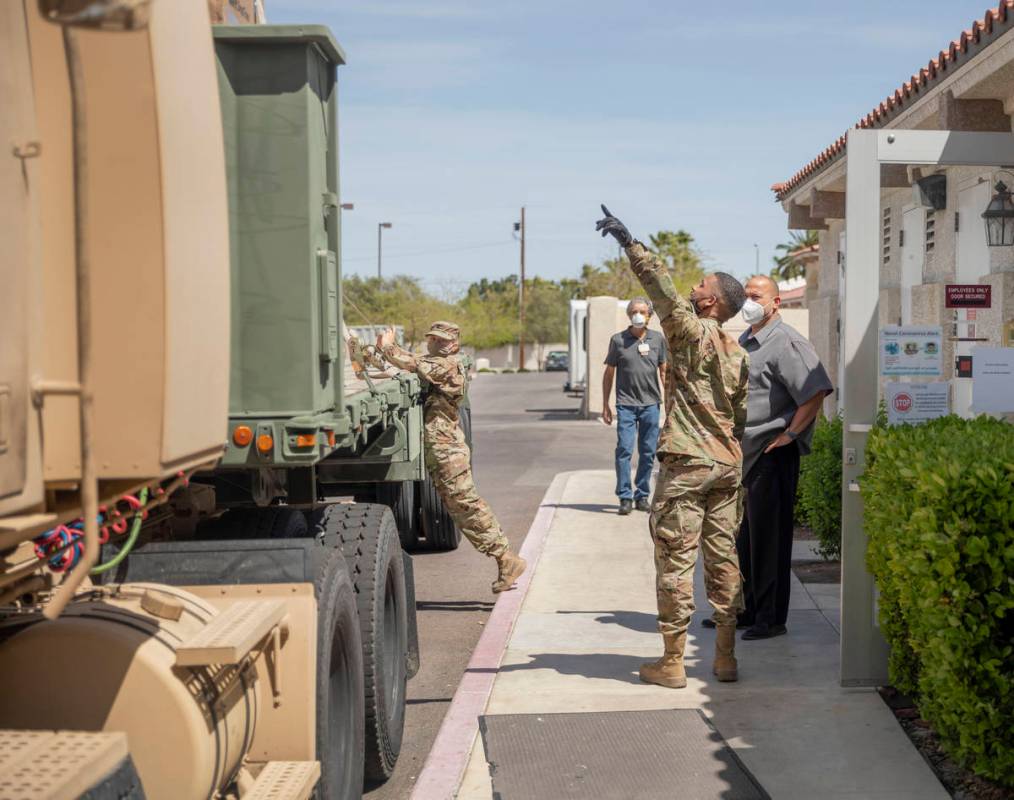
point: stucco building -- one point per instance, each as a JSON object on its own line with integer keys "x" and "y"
{"x": 931, "y": 227}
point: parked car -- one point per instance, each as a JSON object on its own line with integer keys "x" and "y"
{"x": 557, "y": 361}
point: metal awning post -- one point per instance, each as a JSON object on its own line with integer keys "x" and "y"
{"x": 863, "y": 649}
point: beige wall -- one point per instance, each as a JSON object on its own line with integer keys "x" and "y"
{"x": 506, "y": 357}
{"x": 928, "y": 299}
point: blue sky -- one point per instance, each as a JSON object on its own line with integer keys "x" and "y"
{"x": 455, "y": 113}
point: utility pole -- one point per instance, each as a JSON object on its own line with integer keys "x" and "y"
{"x": 380, "y": 244}
{"x": 521, "y": 344}
{"x": 756, "y": 250}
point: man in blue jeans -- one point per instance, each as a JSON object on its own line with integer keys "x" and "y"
{"x": 637, "y": 359}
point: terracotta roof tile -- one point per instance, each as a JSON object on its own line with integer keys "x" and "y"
{"x": 955, "y": 56}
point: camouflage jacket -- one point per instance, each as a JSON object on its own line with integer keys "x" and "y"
{"x": 445, "y": 378}
{"x": 706, "y": 383}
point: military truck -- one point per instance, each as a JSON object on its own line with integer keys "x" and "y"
{"x": 202, "y": 587}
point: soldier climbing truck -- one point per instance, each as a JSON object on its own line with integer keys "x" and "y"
{"x": 203, "y": 498}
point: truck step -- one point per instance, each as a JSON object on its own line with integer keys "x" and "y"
{"x": 232, "y": 634}
{"x": 56, "y": 765}
{"x": 285, "y": 780}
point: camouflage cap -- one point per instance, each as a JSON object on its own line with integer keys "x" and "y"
{"x": 444, "y": 330}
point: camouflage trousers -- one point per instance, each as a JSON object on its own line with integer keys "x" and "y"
{"x": 450, "y": 470}
{"x": 696, "y": 504}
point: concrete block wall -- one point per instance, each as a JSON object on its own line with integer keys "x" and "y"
{"x": 606, "y": 316}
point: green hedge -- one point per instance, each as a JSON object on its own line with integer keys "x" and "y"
{"x": 939, "y": 514}
{"x": 818, "y": 499}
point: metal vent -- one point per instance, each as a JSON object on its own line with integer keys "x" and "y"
{"x": 886, "y": 236}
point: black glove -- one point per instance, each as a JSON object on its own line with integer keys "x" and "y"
{"x": 609, "y": 224}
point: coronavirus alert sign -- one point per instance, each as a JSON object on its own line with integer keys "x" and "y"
{"x": 912, "y": 403}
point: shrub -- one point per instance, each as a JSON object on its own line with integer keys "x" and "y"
{"x": 507, "y": 371}
{"x": 939, "y": 514}
{"x": 818, "y": 499}
{"x": 485, "y": 369}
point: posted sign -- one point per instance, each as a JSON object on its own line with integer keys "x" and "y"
{"x": 968, "y": 295}
{"x": 993, "y": 379}
{"x": 916, "y": 402}
{"x": 911, "y": 350}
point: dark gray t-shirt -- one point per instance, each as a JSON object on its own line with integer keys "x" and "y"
{"x": 784, "y": 373}
{"x": 637, "y": 372}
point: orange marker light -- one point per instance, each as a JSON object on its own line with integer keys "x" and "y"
{"x": 265, "y": 443}
{"x": 242, "y": 436}
{"x": 330, "y": 438}
{"x": 306, "y": 439}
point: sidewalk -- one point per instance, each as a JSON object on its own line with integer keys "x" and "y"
{"x": 587, "y": 620}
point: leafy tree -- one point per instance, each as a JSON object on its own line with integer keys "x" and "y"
{"x": 614, "y": 278}
{"x": 683, "y": 256}
{"x": 400, "y": 300}
{"x": 489, "y": 313}
{"x": 788, "y": 265}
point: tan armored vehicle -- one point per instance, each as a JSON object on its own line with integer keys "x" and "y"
{"x": 186, "y": 611}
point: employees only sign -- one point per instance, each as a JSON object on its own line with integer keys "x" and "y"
{"x": 967, "y": 295}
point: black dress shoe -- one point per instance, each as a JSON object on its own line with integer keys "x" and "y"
{"x": 642, "y": 504}
{"x": 762, "y": 631}
{"x": 626, "y": 506}
{"x": 740, "y": 623}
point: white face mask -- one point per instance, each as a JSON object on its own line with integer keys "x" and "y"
{"x": 753, "y": 312}
{"x": 638, "y": 320}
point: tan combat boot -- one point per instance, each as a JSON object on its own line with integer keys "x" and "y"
{"x": 511, "y": 568}
{"x": 725, "y": 653}
{"x": 668, "y": 670}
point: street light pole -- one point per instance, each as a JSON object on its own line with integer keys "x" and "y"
{"x": 380, "y": 245}
{"x": 756, "y": 250}
{"x": 521, "y": 344}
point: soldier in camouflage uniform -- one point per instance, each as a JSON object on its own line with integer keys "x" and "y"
{"x": 448, "y": 459}
{"x": 698, "y": 497}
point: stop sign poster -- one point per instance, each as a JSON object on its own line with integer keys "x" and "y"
{"x": 916, "y": 402}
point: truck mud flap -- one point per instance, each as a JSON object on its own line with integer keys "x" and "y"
{"x": 412, "y": 659}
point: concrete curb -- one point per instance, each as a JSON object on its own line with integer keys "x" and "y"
{"x": 445, "y": 765}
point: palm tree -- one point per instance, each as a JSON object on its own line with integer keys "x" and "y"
{"x": 788, "y": 265}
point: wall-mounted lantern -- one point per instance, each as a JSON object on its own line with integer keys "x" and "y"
{"x": 999, "y": 217}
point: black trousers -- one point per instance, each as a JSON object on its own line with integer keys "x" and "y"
{"x": 764, "y": 543}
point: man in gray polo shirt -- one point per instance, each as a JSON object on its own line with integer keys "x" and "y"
{"x": 636, "y": 358}
{"x": 787, "y": 387}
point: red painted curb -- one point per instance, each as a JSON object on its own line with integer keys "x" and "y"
{"x": 445, "y": 765}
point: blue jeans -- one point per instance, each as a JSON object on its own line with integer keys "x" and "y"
{"x": 640, "y": 422}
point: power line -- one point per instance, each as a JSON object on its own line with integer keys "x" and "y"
{"x": 437, "y": 251}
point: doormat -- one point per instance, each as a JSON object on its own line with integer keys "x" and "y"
{"x": 613, "y": 755}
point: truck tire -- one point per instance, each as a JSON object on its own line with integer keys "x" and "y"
{"x": 400, "y": 498}
{"x": 340, "y": 711}
{"x": 369, "y": 540}
{"x": 274, "y": 522}
{"x": 340, "y": 722}
{"x": 439, "y": 529}
{"x": 122, "y": 783}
